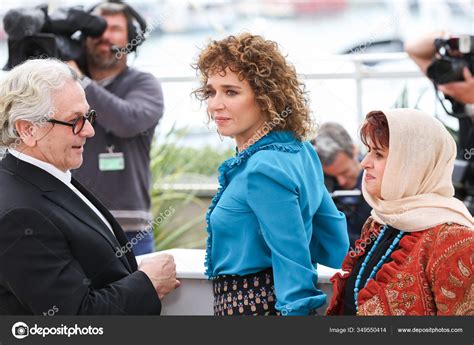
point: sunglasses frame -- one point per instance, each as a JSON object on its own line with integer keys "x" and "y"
{"x": 90, "y": 116}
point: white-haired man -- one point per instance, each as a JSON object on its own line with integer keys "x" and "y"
{"x": 60, "y": 248}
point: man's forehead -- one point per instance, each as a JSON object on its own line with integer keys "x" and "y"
{"x": 340, "y": 164}
{"x": 70, "y": 100}
{"x": 342, "y": 158}
{"x": 116, "y": 18}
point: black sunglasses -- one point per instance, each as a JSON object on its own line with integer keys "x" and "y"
{"x": 78, "y": 123}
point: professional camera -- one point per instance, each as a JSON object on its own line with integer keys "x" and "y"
{"x": 346, "y": 201}
{"x": 33, "y": 33}
{"x": 455, "y": 54}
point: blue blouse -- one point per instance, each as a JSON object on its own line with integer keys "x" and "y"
{"x": 273, "y": 210}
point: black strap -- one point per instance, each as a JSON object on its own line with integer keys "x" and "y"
{"x": 458, "y": 115}
{"x": 109, "y": 142}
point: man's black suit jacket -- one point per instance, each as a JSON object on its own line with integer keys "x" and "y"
{"x": 57, "y": 254}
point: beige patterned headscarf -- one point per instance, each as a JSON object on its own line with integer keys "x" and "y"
{"x": 417, "y": 190}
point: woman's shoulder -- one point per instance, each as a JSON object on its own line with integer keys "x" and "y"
{"x": 445, "y": 242}
{"x": 279, "y": 149}
{"x": 281, "y": 159}
{"x": 449, "y": 248}
{"x": 451, "y": 233}
{"x": 272, "y": 156}
{"x": 275, "y": 152}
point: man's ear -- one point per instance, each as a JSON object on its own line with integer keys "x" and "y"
{"x": 26, "y": 130}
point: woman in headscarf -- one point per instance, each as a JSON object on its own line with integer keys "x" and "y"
{"x": 415, "y": 255}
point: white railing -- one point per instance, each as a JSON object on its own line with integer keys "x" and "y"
{"x": 195, "y": 297}
{"x": 358, "y": 73}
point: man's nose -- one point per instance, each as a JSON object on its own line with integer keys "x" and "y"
{"x": 106, "y": 35}
{"x": 341, "y": 180}
{"x": 87, "y": 131}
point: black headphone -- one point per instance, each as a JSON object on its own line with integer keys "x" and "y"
{"x": 136, "y": 24}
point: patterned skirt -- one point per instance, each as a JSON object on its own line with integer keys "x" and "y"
{"x": 252, "y": 294}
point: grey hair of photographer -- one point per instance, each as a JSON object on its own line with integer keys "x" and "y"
{"x": 26, "y": 93}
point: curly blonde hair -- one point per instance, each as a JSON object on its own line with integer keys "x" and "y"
{"x": 273, "y": 80}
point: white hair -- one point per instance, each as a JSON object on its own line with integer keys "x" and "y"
{"x": 26, "y": 93}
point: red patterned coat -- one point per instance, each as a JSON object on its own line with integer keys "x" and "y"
{"x": 431, "y": 274}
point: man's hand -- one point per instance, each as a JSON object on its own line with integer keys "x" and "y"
{"x": 462, "y": 91}
{"x": 76, "y": 68}
{"x": 161, "y": 270}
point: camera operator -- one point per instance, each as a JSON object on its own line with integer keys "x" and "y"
{"x": 129, "y": 104}
{"x": 342, "y": 170}
{"x": 425, "y": 52}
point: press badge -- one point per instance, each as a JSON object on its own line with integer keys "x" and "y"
{"x": 113, "y": 161}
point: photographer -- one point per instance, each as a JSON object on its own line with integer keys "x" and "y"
{"x": 129, "y": 104}
{"x": 441, "y": 58}
{"x": 342, "y": 171}
{"x": 422, "y": 51}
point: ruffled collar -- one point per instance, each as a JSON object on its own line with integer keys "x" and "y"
{"x": 275, "y": 140}
{"x": 283, "y": 141}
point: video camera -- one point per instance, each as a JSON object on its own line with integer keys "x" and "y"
{"x": 34, "y": 33}
{"x": 455, "y": 54}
